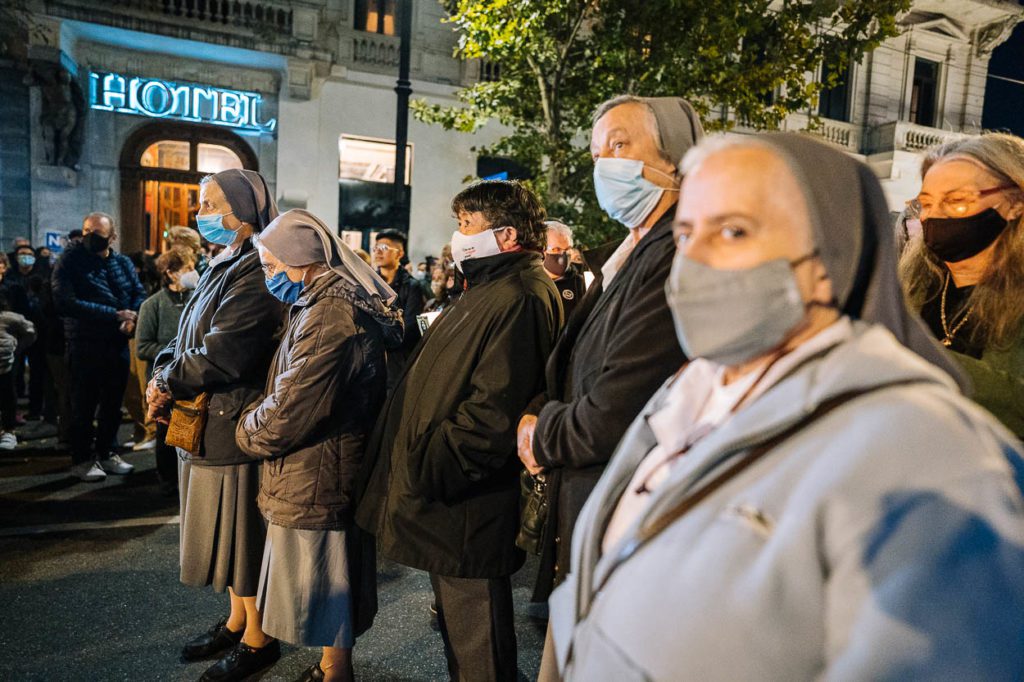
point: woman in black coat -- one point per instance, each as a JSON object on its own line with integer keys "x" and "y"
{"x": 226, "y": 338}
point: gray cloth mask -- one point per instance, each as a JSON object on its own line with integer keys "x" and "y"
{"x": 733, "y": 316}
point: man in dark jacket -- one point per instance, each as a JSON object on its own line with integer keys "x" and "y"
{"x": 388, "y": 254}
{"x": 620, "y": 345}
{"x": 98, "y": 294}
{"x": 567, "y": 276}
{"x": 442, "y": 489}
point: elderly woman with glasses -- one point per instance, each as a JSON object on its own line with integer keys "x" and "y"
{"x": 965, "y": 271}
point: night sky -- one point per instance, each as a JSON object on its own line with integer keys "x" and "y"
{"x": 1004, "y": 101}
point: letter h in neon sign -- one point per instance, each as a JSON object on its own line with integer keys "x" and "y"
{"x": 183, "y": 101}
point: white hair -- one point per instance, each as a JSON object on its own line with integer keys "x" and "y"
{"x": 562, "y": 229}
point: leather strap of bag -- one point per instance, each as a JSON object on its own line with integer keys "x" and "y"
{"x": 754, "y": 454}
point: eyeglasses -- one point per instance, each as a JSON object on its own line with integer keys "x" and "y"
{"x": 382, "y": 248}
{"x": 956, "y": 204}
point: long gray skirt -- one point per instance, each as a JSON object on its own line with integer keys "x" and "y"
{"x": 222, "y": 531}
{"x": 305, "y": 592}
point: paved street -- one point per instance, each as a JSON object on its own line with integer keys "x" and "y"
{"x": 89, "y": 588}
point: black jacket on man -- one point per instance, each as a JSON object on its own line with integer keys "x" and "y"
{"x": 226, "y": 339}
{"x": 89, "y": 290}
{"x": 618, "y": 348}
{"x": 411, "y": 300}
{"x": 442, "y": 491}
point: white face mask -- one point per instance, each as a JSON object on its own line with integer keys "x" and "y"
{"x": 479, "y": 245}
{"x": 623, "y": 192}
{"x": 189, "y": 280}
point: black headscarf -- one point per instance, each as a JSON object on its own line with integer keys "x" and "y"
{"x": 854, "y": 236}
{"x": 249, "y": 196}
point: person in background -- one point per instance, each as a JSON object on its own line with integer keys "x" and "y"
{"x": 223, "y": 348}
{"x": 190, "y": 240}
{"x": 75, "y": 237}
{"x": 16, "y": 335}
{"x": 144, "y": 436}
{"x": 98, "y": 294}
{"x": 810, "y": 497}
{"x": 388, "y": 253}
{"x": 28, "y": 272}
{"x": 51, "y": 341}
{"x": 157, "y": 327}
{"x": 325, "y": 388}
{"x": 13, "y": 289}
{"x": 16, "y": 244}
{"x": 442, "y": 480}
{"x": 618, "y": 347}
{"x": 965, "y": 271}
{"x": 439, "y": 279}
{"x": 568, "y": 276}
{"x": 362, "y": 253}
{"x": 44, "y": 256}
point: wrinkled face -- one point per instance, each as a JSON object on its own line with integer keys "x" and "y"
{"x": 471, "y": 223}
{"x": 629, "y": 131}
{"x": 742, "y": 207}
{"x": 272, "y": 266}
{"x": 957, "y": 188}
{"x": 557, "y": 242}
{"x": 387, "y": 253}
{"x": 212, "y": 201}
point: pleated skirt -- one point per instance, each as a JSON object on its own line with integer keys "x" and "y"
{"x": 222, "y": 531}
{"x": 305, "y": 592}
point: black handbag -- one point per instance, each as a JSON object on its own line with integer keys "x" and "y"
{"x": 533, "y": 515}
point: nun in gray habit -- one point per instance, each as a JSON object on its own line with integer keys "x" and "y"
{"x": 837, "y": 509}
{"x": 326, "y": 384}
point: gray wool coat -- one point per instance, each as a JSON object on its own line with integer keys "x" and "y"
{"x": 883, "y": 541}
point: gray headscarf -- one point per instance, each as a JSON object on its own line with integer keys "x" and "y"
{"x": 298, "y": 238}
{"x": 678, "y": 124}
{"x": 854, "y": 236}
{"x": 249, "y": 196}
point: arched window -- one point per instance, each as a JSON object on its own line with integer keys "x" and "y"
{"x": 177, "y": 155}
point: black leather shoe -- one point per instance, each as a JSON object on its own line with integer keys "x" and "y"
{"x": 212, "y": 642}
{"x": 312, "y": 674}
{"x": 241, "y": 662}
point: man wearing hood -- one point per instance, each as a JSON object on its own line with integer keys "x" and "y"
{"x": 442, "y": 491}
{"x": 811, "y": 497}
{"x": 618, "y": 347}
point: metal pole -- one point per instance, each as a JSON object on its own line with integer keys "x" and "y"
{"x": 402, "y": 89}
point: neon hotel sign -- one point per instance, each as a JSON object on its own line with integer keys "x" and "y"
{"x": 156, "y": 98}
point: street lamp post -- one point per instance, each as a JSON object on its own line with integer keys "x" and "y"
{"x": 400, "y": 204}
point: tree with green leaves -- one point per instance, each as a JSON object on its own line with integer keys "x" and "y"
{"x": 559, "y": 59}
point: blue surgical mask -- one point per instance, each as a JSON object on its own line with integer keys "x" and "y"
{"x": 283, "y": 288}
{"x": 211, "y": 226}
{"x": 623, "y": 192}
{"x": 26, "y": 261}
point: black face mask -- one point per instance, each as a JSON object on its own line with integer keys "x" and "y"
{"x": 96, "y": 243}
{"x": 957, "y": 239}
{"x": 556, "y": 263}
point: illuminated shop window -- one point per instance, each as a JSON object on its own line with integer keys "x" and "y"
{"x": 370, "y": 160}
{"x": 376, "y": 16}
{"x": 214, "y": 158}
{"x": 171, "y": 154}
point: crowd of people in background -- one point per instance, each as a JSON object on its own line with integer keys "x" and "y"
{"x": 745, "y": 427}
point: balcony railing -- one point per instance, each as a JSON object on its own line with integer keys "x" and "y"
{"x": 909, "y": 137}
{"x": 271, "y": 19}
{"x": 374, "y": 49}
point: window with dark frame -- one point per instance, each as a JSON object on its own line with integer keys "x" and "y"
{"x": 834, "y": 102}
{"x": 376, "y": 16}
{"x": 924, "y": 92}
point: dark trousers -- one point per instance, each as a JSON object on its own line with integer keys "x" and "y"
{"x": 166, "y": 457}
{"x": 58, "y": 365}
{"x": 8, "y": 401}
{"x": 99, "y": 375}
{"x": 478, "y": 628}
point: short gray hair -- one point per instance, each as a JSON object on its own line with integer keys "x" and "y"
{"x": 100, "y": 215}
{"x": 562, "y": 229}
{"x": 652, "y": 120}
